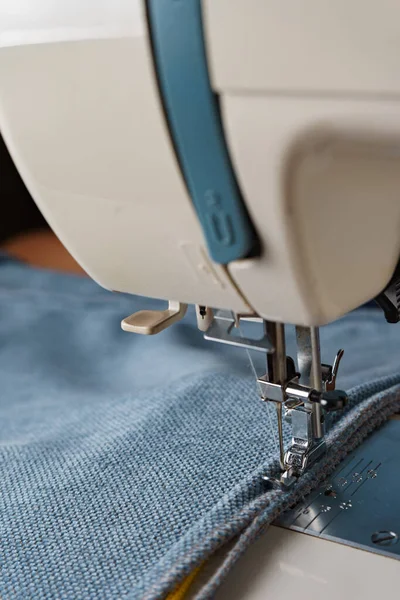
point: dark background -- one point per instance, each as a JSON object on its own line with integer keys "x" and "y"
{"x": 19, "y": 213}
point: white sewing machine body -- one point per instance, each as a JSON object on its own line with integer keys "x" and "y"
{"x": 283, "y": 563}
{"x": 309, "y": 97}
{"x": 309, "y": 100}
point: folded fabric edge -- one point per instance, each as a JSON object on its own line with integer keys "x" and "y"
{"x": 342, "y": 440}
{"x": 364, "y": 416}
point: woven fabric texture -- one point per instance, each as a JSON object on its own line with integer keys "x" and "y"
{"x": 125, "y": 461}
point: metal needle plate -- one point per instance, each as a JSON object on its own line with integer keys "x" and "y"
{"x": 359, "y": 504}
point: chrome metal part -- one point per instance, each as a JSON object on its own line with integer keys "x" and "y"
{"x": 277, "y": 373}
{"x": 276, "y": 362}
{"x": 330, "y": 382}
{"x": 384, "y": 538}
{"x": 299, "y": 392}
{"x": 359, "y": 504}
{"x": 316, "y": 380}
{"x": 220, "y": 331}
{"x": 316, "y": 369}
{"x": 304, "y": 403}
{"x": 287, "y": 478}
{"x": 281, "y": 385}
{"x": 304, "y": 355}
{"x": 299, "y": 458}
{"x": 301, "y": 397}
{"x": 310, "y": 368}
{"x": 302, "y": 431}
{"x": 279, "y": 414}
{"x": 271, "y": 391}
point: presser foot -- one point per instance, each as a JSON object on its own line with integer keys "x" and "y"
{"x": 302, "y": 397}
{"x": 290, "y": 474}
{"x": 302, "y": 405}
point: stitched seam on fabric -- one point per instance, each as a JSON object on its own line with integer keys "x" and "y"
{"x": 225, "y": 532}
{"x": 373, "y": 418}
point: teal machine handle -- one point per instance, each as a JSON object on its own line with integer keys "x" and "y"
{"x": 193, "y": 115}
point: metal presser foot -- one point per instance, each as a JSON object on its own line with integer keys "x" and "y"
{"x": 301, "y": 397}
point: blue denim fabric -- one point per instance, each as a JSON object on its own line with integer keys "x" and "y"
{"x": 126, "y": 460}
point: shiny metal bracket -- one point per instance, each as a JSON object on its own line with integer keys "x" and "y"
{"x": 221, "y": 328}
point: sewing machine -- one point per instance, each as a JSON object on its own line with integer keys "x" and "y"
{"x": 239, "y": 155}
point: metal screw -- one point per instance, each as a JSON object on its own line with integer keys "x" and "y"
{"x": 384, "y": 538}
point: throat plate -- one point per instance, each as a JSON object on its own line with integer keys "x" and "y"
{"x": 359, "y": 504}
